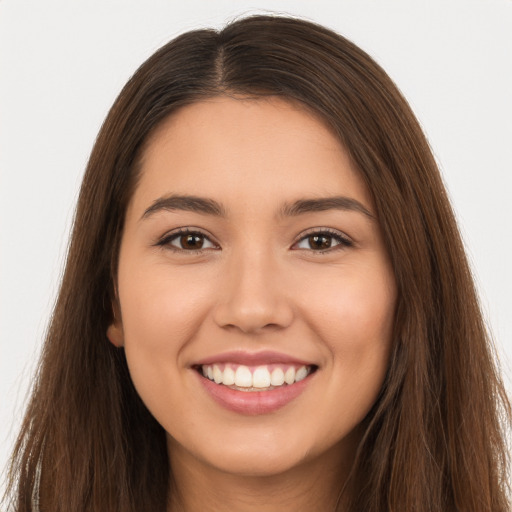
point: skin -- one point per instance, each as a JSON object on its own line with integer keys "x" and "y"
{"x": 257, "y": 284}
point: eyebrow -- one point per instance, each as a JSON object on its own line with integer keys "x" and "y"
{"x": 303, "y": 206}
{"x": 186, "y": 203}
{"x": 206, "y": 206}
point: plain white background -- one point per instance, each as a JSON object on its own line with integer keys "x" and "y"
{"x": 63, "y": 63}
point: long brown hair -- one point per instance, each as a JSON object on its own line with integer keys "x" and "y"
{"x": 435, "y": 439}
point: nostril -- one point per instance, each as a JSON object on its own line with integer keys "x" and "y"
{"x": 252, "y": 311}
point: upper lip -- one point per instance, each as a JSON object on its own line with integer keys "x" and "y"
{"x": 252, "y": 358}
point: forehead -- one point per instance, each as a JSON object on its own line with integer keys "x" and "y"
{"x": 245, "y": 151}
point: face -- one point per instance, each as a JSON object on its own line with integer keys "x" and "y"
{"x": 256, "y": 299}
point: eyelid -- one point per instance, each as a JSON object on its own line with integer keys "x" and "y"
{"x": 164, "y": 240}
{"x": 344, "y": 240}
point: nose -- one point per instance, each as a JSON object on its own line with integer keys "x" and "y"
{"x": 253, "y": 299}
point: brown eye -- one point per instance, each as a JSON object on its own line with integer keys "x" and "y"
{"x": 323, "y": 241}
{"x": 188, "y": 241}
{"x": 320, "y": 242}
{"x": 191, "y": 241}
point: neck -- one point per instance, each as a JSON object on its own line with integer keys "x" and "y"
{"x": 318, "y": 485}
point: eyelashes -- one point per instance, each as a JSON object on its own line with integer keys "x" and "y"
{"x": 188, "y": 240}
{"x": 322, "y": 240}
{"x": 315, "y": 240}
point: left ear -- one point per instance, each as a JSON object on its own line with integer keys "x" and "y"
{"x": 115, "y": 332}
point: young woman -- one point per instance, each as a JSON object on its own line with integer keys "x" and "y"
{"x": 266, "y": 304}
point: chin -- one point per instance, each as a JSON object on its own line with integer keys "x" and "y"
{"x": 260, "y": 465}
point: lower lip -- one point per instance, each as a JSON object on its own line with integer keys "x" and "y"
{"x": 254, "y": 402}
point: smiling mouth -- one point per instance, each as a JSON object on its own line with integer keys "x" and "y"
{"x": 255, "y": 378}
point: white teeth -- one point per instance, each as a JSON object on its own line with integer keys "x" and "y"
{"x": 217, "y": 375}
{"x": 277, "y": 377}
{"x": 289, "y": 376}
{"x": 229, "y": 376}
{"x": 301, "y": 373}
{"x": 261, "y": 377}
{"x": 243, "y": 377}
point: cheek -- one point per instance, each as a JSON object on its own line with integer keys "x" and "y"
{"x": 161, "y": 313}
{"x": 353, "y": 315}
{"x": 353, "y": 309}
{"x": 161, "y": 309}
